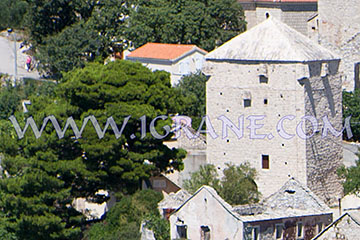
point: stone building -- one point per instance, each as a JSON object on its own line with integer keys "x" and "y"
{"x": 294, "y": 13}
{"x": 339, "y": 31}
{"x": 271, "y": 95}
{"x": 205, "y": 215}
{"x": 346, "y": 227}
{"x": 293, "y": 212}
{"x": 195, "y": 148}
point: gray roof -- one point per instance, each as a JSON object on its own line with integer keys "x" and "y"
{"x": 174, "y": 200}
{"x": 216, "y": 196}
{"x": 271, "y": 41}
{"x": 292, "y": 200}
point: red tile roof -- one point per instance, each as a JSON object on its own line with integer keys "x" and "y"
{"x": 164, "y": 51}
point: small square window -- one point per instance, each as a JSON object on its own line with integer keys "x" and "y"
{"x": 265, "y": 161}
{"x": 181, "y": 231}
{"x": 205, "y": 233}
{"x": 263, "y": 79}
{"x": 265, "y": 101}
{"x": 247, "y": 102}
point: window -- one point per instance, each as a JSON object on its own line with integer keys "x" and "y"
{"x": 255, "y": 233}
{"x": 319, "y": 227}
{"x": 263, "y": 79}
{"x": 265, "y": 161}
{"x": 247, "y": 102}
{"x": 279, "y": 231}
{"x": 300, "y": 230}
{"x": 181, "y": 231}
{"x": 265, "y": 101}
{"x": 205, "y": 233}
{"x": 267, "y": 15}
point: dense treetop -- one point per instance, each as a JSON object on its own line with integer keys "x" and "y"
{"x": 41, "y": 176}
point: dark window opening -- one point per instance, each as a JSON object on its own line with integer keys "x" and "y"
{"x": 247, "y": 102}
{"x": 265, "y": 162}
{"x": 279, "y": 230}
{"x": 299, "y": 229}
{"x": 265, "y": 101}
{"x": 182, "y": 231}
{"x": 267, "y": 15}
{"x": 319, "y": 225}
{"x": 263, "y": 79}
{"x": 255, "y": 233}
{"x": 205, "y": 233}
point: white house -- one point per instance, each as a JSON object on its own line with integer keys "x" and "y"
{"x": 177, "y": 59}
{"x": 293, "y": 212}
{"x": 205, "y": 216}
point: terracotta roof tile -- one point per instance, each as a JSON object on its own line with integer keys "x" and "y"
{"x": 164, "y": 51}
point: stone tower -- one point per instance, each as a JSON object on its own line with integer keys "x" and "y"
{"x": 273, "y": 84}
{"x": 339, "y": 31}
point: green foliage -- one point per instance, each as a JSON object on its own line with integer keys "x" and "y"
{"x": 9, "y": 101}
{"x": 75, "y": 40}
{"x": 41, "y": 177}
{"x": 69, "y": 49}
{"x": 351, "y": 177}
{"x": 351, "y": 107}
{"x": 193, "y": 88}
{"x": 237, "y": 186}
{"x": 12, "y": 13}
{"x": 49, "y": 17}
{"x": 69, "y": 33}
{"x": 11, "y": 96}
{"x": 205, "y": 23}
{"x": 206, "y": 175}
{"x": 124, "y": 219}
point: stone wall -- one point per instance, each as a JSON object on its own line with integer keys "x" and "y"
{"x": 323, "y": 98}
{"x": 228, "y": 87}
{"x": 295, "y": 15}
{"x": 292, "y": 91}
{"x": 311, "y": 226}
{"x": 339, "y": 31}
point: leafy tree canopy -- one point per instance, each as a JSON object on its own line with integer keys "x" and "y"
{"x": 206, "y": 24}
{"x": 351, "y": 107}
{"x": 69, "y": 33}
{"x": 124, "y": 219}
{"x": 193, "y": 88}
{"x": 41, "y": 177}
{"x": 351, "y": 177}
{"x": 237, "y": 186}
{"x": 12, "y": 13}
{"x": 84, "y": 39}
